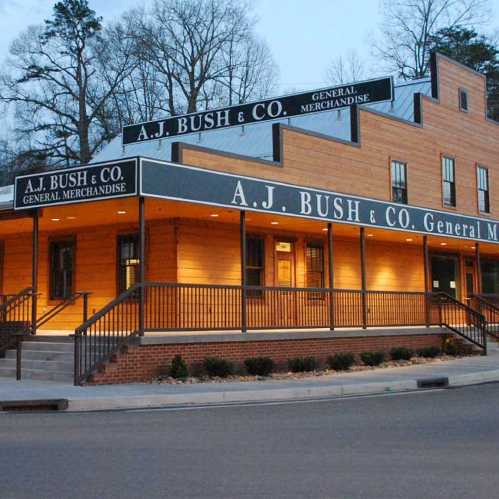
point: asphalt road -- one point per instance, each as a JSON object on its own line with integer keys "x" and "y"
{"x": 442, "y": 444}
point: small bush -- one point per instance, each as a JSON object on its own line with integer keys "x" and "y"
{"x": 429, "y": 352}
{"x": 178, "y": 368}
{"x": 372, "y": 358}
{"x": 259, "y": 366}
{"x": 216, "y": 367}
{"x": 451, "y": 348}
{"x": 302, "y": 364}
{"x": 341, "y": 361}
{"x": 401, "y": 353}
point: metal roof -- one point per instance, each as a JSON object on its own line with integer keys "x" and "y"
{"x": 255, "y": 140}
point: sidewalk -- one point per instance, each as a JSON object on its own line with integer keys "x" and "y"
{"x": 460, "y": 372}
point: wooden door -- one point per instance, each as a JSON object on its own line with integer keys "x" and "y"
{"x": 285, "y": 278}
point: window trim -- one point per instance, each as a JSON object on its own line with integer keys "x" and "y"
{"x": 463, "y": 91}
{"x": 390, "y": 165}
{"x": 120, "y": 236}
{"x": 71, "y": 239}
{"x": 479, "y": 166}
{"x": 319, "y": 243}
{"x": 255, "y": 235}
{"x": 444, "y": 204}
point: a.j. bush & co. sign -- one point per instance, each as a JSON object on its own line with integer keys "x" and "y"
{"x": 256, "y": 112}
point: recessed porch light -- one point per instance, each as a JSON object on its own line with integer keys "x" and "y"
{"x": 370, "y": 235}
{"x": 121, "y": 212}
{"x": 443, "y": 244}
{"x": 325, "y": 229}
{"x": 473, "y": 247}
{"x": 274, "y": 223}
{"x": 55, "y": 219}
{"x": 409, "y": 239}
{"x": 70, "y": 218}
{"x": 214, "y": 215}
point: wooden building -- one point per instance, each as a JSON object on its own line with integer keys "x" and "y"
{"x": 379, "y": 217}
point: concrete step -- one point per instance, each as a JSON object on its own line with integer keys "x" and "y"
{"x": 40, "y": 355}
{"x": 37, "y": 374}
{"x": 48, "y": 365}
{"x": 44, "y": 346}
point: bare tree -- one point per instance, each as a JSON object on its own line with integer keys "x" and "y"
{"x": 408, "y": 26}
{"x": 348, "y": 68}
{"x": 60, "y": 79}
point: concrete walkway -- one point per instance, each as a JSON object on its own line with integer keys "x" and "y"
{"x": 460, "y": 372}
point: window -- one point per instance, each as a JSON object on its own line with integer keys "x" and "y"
{"x": 448, "y": 181}
{"x": 490, "y": 276}
{"x": 128, "y": 261}
{"x": 399, "y": 182}
{"x": 255, "y": 259}
{"x": 314, "y": 257}
{"x": 463, "y": 100}
{"x": 483, "y": 189}
{"x": 61, "y": 269}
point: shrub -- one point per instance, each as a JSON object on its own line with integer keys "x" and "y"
{"x": 178, "y": 368}
{"x": 430, "y": 352}
{"x": 341, "y": 361}
{"x": 215, "y": 366}
{"x": 372, "y": 358}
{"x": 451, "y": 348}
{"x": 302, "y": 364}
{"x": 259, "y": 366}
{"x": 401, "y": 353}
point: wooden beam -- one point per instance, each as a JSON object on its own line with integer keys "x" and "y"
{"x": 142, "y": 263}
{"x": 478, "y": 264}
{"x": 363, "y": 276}
{"x": 34, "y": 270}
{"x": 426, "y": 267}
{"x": 331, "y": 274}
{"x": 242, "y": 242}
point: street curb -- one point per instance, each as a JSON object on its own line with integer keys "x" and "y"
{"x": 271, "y": 395}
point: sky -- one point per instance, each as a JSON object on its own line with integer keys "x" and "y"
{"x": 303, "y": 35}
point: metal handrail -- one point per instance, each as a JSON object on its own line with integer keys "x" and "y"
{"x": 105, "y": 333}
{"x": 462, "y": 320}
{"x": 490, "y": 311}
{"x": 54, "y": 311}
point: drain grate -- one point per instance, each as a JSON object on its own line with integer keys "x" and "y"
{"x": 34, "y": 405}
{"x": 433, "y": 383}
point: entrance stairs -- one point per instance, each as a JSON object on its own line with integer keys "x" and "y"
{"x": 43, "y": 358}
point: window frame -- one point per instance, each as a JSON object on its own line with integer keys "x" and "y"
{"x": 460, "y": 92}
{"x": 260, "y": 268}
{"x": 443, "y": 158}
{"x": 478, "y": 189}
{"x": 315, "y": 243}
{"x": 121, "y": 237}
{"x": 392, "y": 162}
{"x": 52, "y": 243}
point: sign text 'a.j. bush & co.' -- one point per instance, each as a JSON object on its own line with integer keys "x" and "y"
{"x": 280, "y": 107}
{"x": 74, "y": 185}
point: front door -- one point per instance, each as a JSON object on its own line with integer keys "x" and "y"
{"x": 285, "y": 278}
{"x": 444, "y": 274}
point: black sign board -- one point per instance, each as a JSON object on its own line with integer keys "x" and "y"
{"x": 172, "y": 181}
{"x": 76, "y": 185}
{"x": 255, "y": 112}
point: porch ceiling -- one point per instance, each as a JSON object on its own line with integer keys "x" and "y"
{"x": 125, "y": 211}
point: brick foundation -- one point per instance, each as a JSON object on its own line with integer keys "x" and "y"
{"x": 143, "y": 363}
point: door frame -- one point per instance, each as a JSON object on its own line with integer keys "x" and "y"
{"x": 459, "y": 273}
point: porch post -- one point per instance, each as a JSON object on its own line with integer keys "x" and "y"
{"x": 426, "y": 266}
{"x": 142, "y": 273}
{"x": 363, "y": 276}
{"x": 34, "y": 270}
{"x": 242, "y": 238}
{"x": 331, "y": 274}
{"x": 478, "y": 269}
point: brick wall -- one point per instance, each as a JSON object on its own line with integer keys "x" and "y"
{"x": 143, "y": 363}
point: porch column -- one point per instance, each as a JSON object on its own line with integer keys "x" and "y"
{"x": 34, "y": 270}
{"x": 242, "y": 237}
{"x": 363, "y": 276}
{"x": 331, "y": 274}
{"x": 478, "y": 269}
{"x": 426, "y": 267}
{"x": 142, "y": 273}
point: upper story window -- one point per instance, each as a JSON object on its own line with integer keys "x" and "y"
{"x": 314, "y": 256}
{"x": 482, "y": 175}
{"x": 62, "y": 256}
{"x": 449, "y": 181}
{"x": 399, "y": 182}
{"x": 463, "y": 100}
{"x": 128, "y": 261}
